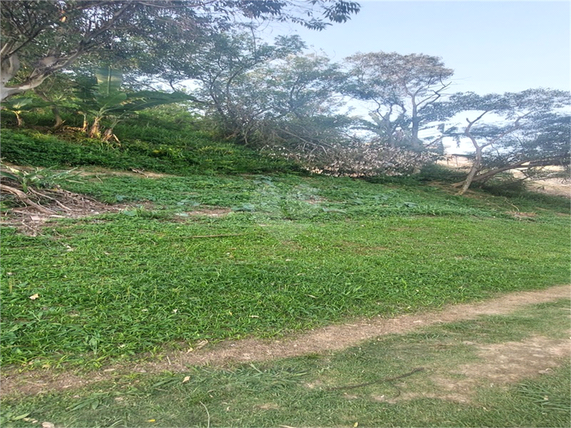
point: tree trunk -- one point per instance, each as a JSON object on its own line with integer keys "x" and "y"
{"x": 19, "y": 120}
{"x": 95, "y": 130}
{"x": 85, "y": 123}
{"x": 58, "y": 119}
{"x": 478, "y": 160}
{"x": 473, "y": 170}
{"x": 486, "y": 176}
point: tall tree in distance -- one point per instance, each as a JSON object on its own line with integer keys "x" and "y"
{"x": 528, "y": 129}
{"x": 401, "y": 88}
{"x": 232, "y": 88}
{"x": 41, "y": 37}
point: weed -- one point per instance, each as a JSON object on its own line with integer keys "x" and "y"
{"x": 38, "y": 177}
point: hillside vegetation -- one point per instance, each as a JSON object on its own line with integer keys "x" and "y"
{"x": 195, "y": 240}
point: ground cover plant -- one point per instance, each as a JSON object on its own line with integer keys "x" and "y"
{"x": 150, "y": 148}
{"x": 175, "y": 256}
{"x": 443, "y": 375}
{"x": 217, "y": 257}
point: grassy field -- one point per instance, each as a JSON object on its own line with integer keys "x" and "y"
{"x": 215, "y": 249}
{"x": 282, "y": 254}
{"x": 319, "y": 389}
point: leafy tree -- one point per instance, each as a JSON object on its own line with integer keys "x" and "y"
{"x": 528, "y": 129}
{"x": 254, "y": 90}
{"x": 226, "y": 70}
{"x": 303, "y": 114}
{"x": 41, "y": 37}
{"x": 401, "y": 88}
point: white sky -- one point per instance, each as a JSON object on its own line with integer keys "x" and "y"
{"x": 493, "y": 46}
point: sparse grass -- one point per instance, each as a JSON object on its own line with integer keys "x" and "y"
{"x": 295, "y": 391}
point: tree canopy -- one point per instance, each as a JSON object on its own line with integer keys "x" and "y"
{"x": 528, "y": 129}
{"x": 400, "y": 88}
{"x": 41, "y": 37}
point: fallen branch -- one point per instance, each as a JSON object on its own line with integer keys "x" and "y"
{"x": 22, "y": 196}
{"x": 51, "y": 199}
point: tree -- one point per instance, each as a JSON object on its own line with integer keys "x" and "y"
{"x": 41, "y": 37}
{"x": 401, "y": 88}
{"x": 528, "y": 129}
{"x": 254, "y": 91}
{"x": 231, "y": 87}
{"x": 303, "y": 112}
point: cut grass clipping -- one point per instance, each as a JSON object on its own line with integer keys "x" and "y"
{"x": 281, "y": 254}
{"x": 462, "y": 383}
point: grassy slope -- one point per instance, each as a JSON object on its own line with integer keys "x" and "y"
{"x": 303, "y": 251}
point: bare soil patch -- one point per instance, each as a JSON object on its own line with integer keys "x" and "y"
{"x": 331, "y": 338}
{"x": 552, "y": 186}
{"x": 500, "y": 365}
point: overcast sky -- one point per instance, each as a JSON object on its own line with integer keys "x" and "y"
{"x": 493, "y": 46}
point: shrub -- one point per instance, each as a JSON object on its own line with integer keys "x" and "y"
{"x": 185, "y": 157}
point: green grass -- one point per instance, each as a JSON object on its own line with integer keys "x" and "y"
{"x": 291, "y": 253}
{"x": 293, "y": 197}
{"x": 300, "y": 252}
{"x": 161, "y": 151}
{"x": 295, "y": 391}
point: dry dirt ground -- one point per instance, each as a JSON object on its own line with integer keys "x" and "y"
{"x": 552, "y": 186}
{"x": 501, "y": 363}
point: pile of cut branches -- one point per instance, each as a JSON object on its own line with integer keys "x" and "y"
{"x": 36, "y": 189}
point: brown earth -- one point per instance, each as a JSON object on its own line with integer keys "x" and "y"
{"x": 508, "y": 361}
{"x": 499, "y": 365}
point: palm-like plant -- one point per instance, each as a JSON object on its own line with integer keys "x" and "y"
{"x": 18, "y": 105}
{"x": 106, "y": 100}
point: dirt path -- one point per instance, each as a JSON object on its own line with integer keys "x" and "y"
{"x": 320, "y": 340}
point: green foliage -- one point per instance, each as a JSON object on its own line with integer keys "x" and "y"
{"x": 287, "y": 253}
{"x": 434, "y": 172}
{"x": 162, "y": 151}
{"x": 401, "y": 90}
{"x": 38, "y": 177}
{"x": 507, "y": 187}
{"x": 46, "y": 37}
{"x": 18, "y": 105}
{"x": 106, "y": 99}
